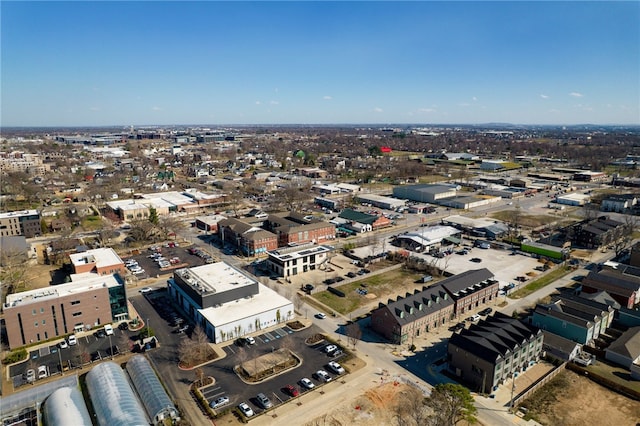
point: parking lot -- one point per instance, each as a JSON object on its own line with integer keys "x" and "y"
{"x": 157, "y": 309}
{"x": 504, "y": 264}
{"x": 164, "y": 258}
{"x": 278, "y": 388}
{"x": 91, "y": 347}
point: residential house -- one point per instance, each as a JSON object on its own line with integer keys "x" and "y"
{"x": 621, "y": 282}
{"x": 581, "y": 327}
{"x": 625, "y": 351}
{"x": 407, "y": 317}
{"x": 560, "y": 348}
{"x": 487, "y": 353}
{"x": 598, "y": 232}
{"x": 471, "y": 289}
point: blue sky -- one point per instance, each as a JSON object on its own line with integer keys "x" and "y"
{"x": 122, "y": 63}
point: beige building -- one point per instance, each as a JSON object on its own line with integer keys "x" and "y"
{"x": 26, "y": 223}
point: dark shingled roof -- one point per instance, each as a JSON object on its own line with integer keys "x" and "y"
{"x": 421, "y": 303}
{"x": 495, "y": 337}
{"x": 466, "y": 279}
{"x": 359, "y": 217}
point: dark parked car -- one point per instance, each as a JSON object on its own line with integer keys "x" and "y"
{"x": 475, "y": 260}
{"x": 486, "y": 311}
{"x": 351, "y": 274}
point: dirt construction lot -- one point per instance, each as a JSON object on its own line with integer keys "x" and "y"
{"x": 574, "y": 400}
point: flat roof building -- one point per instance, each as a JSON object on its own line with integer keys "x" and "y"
{"x": 38, "y": 315}
{"x": 226, "y": 302}
{"x": 25, "y": 222}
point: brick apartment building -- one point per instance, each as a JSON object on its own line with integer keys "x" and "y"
{"x": 102, "y": 261}
{"x": 294, "y": 228}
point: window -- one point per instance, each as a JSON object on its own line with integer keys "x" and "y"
{"x": 77, "y": 314}
{"x": 35, "y": 324}
{"x": 44, "y": 322}
{"x": 75, "y": 302}
{"x": 42, "y": 310}
{"x": 33, "y": 312}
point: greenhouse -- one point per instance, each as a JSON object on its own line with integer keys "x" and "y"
{"x": 114, "y": 401}
{"x": 64, "y": 407}
{"x": 152, "y": 394}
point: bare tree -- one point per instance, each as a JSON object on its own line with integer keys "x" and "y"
{"x": 199, "y": 373}
{"x": 169, "y": 225}
{"x": 298, "y": 302}
{"x": 411, "y": 409}
{"x": 354, "y": 333}
{"x": 625, "y": 234}
{"x": 13, "y": 273}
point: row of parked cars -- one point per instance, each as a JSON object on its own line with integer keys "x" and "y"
{"x": 201, "y": 254}
{"x": 265, "y": 403}
{"x": 133, "y": 266}
{"x": 334, "y": 280}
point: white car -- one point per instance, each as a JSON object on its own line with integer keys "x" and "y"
{"x": 43, "y": 373}
{"x": 63, "y": 345}
{"x": 320, "y": 315}
{"x": 108, "y": 330}
{"x": 145, "y": 289}
{"x": 323, "y": 376}
{"x": 245, "y": 409}
{"x": 306, "y": 383}
{"x": 335, "y": 367}
{"x": 250, "y": 340}
{"x": 223, "y": 400}
{"x": 30, "y": 376}
{"x": 72, "y": 340}
{"x": 330, "y": 348}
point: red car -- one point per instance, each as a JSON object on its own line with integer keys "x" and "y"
{"x": 292, "y": 390}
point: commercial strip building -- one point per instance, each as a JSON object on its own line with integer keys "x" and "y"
{"x": 42, "y": 314}
{"x": 429, "y": 238}
{"x": 487, "y": 353}
{"x": 289, "y": 261}
{"x": 226, "y": 302}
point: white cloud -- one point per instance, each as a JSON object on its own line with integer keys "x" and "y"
{"x": 95, "y": 108}
{"x": 377, "y": 109}
{"x": 327, "y": 98}
{"x": 576, "y": 94}
{"x": 427, "y": 110}
{"x": 156, "y": 108}
{"x": 464, "y": 104}
{"x": 544, "y": 96}
{"x": 474, "y": 99}
{"x": 274, "y": 102}
{"x": 258, "y": 102}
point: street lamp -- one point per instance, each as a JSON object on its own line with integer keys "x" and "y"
{"x": 513, "y": 388}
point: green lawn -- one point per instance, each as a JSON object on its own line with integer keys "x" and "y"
{"x": 540, "y": 282}
{"x": 389, "y": 284}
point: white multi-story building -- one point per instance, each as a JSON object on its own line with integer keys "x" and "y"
{"x": 226, "y": 302}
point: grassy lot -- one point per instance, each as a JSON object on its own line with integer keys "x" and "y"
{"x": 540, "y": 282}
{"x": 383, "y": 286}
{"x": 615, "y": 374}
{"x": 531, "y": 221}
{"x": 91, "y": 223}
